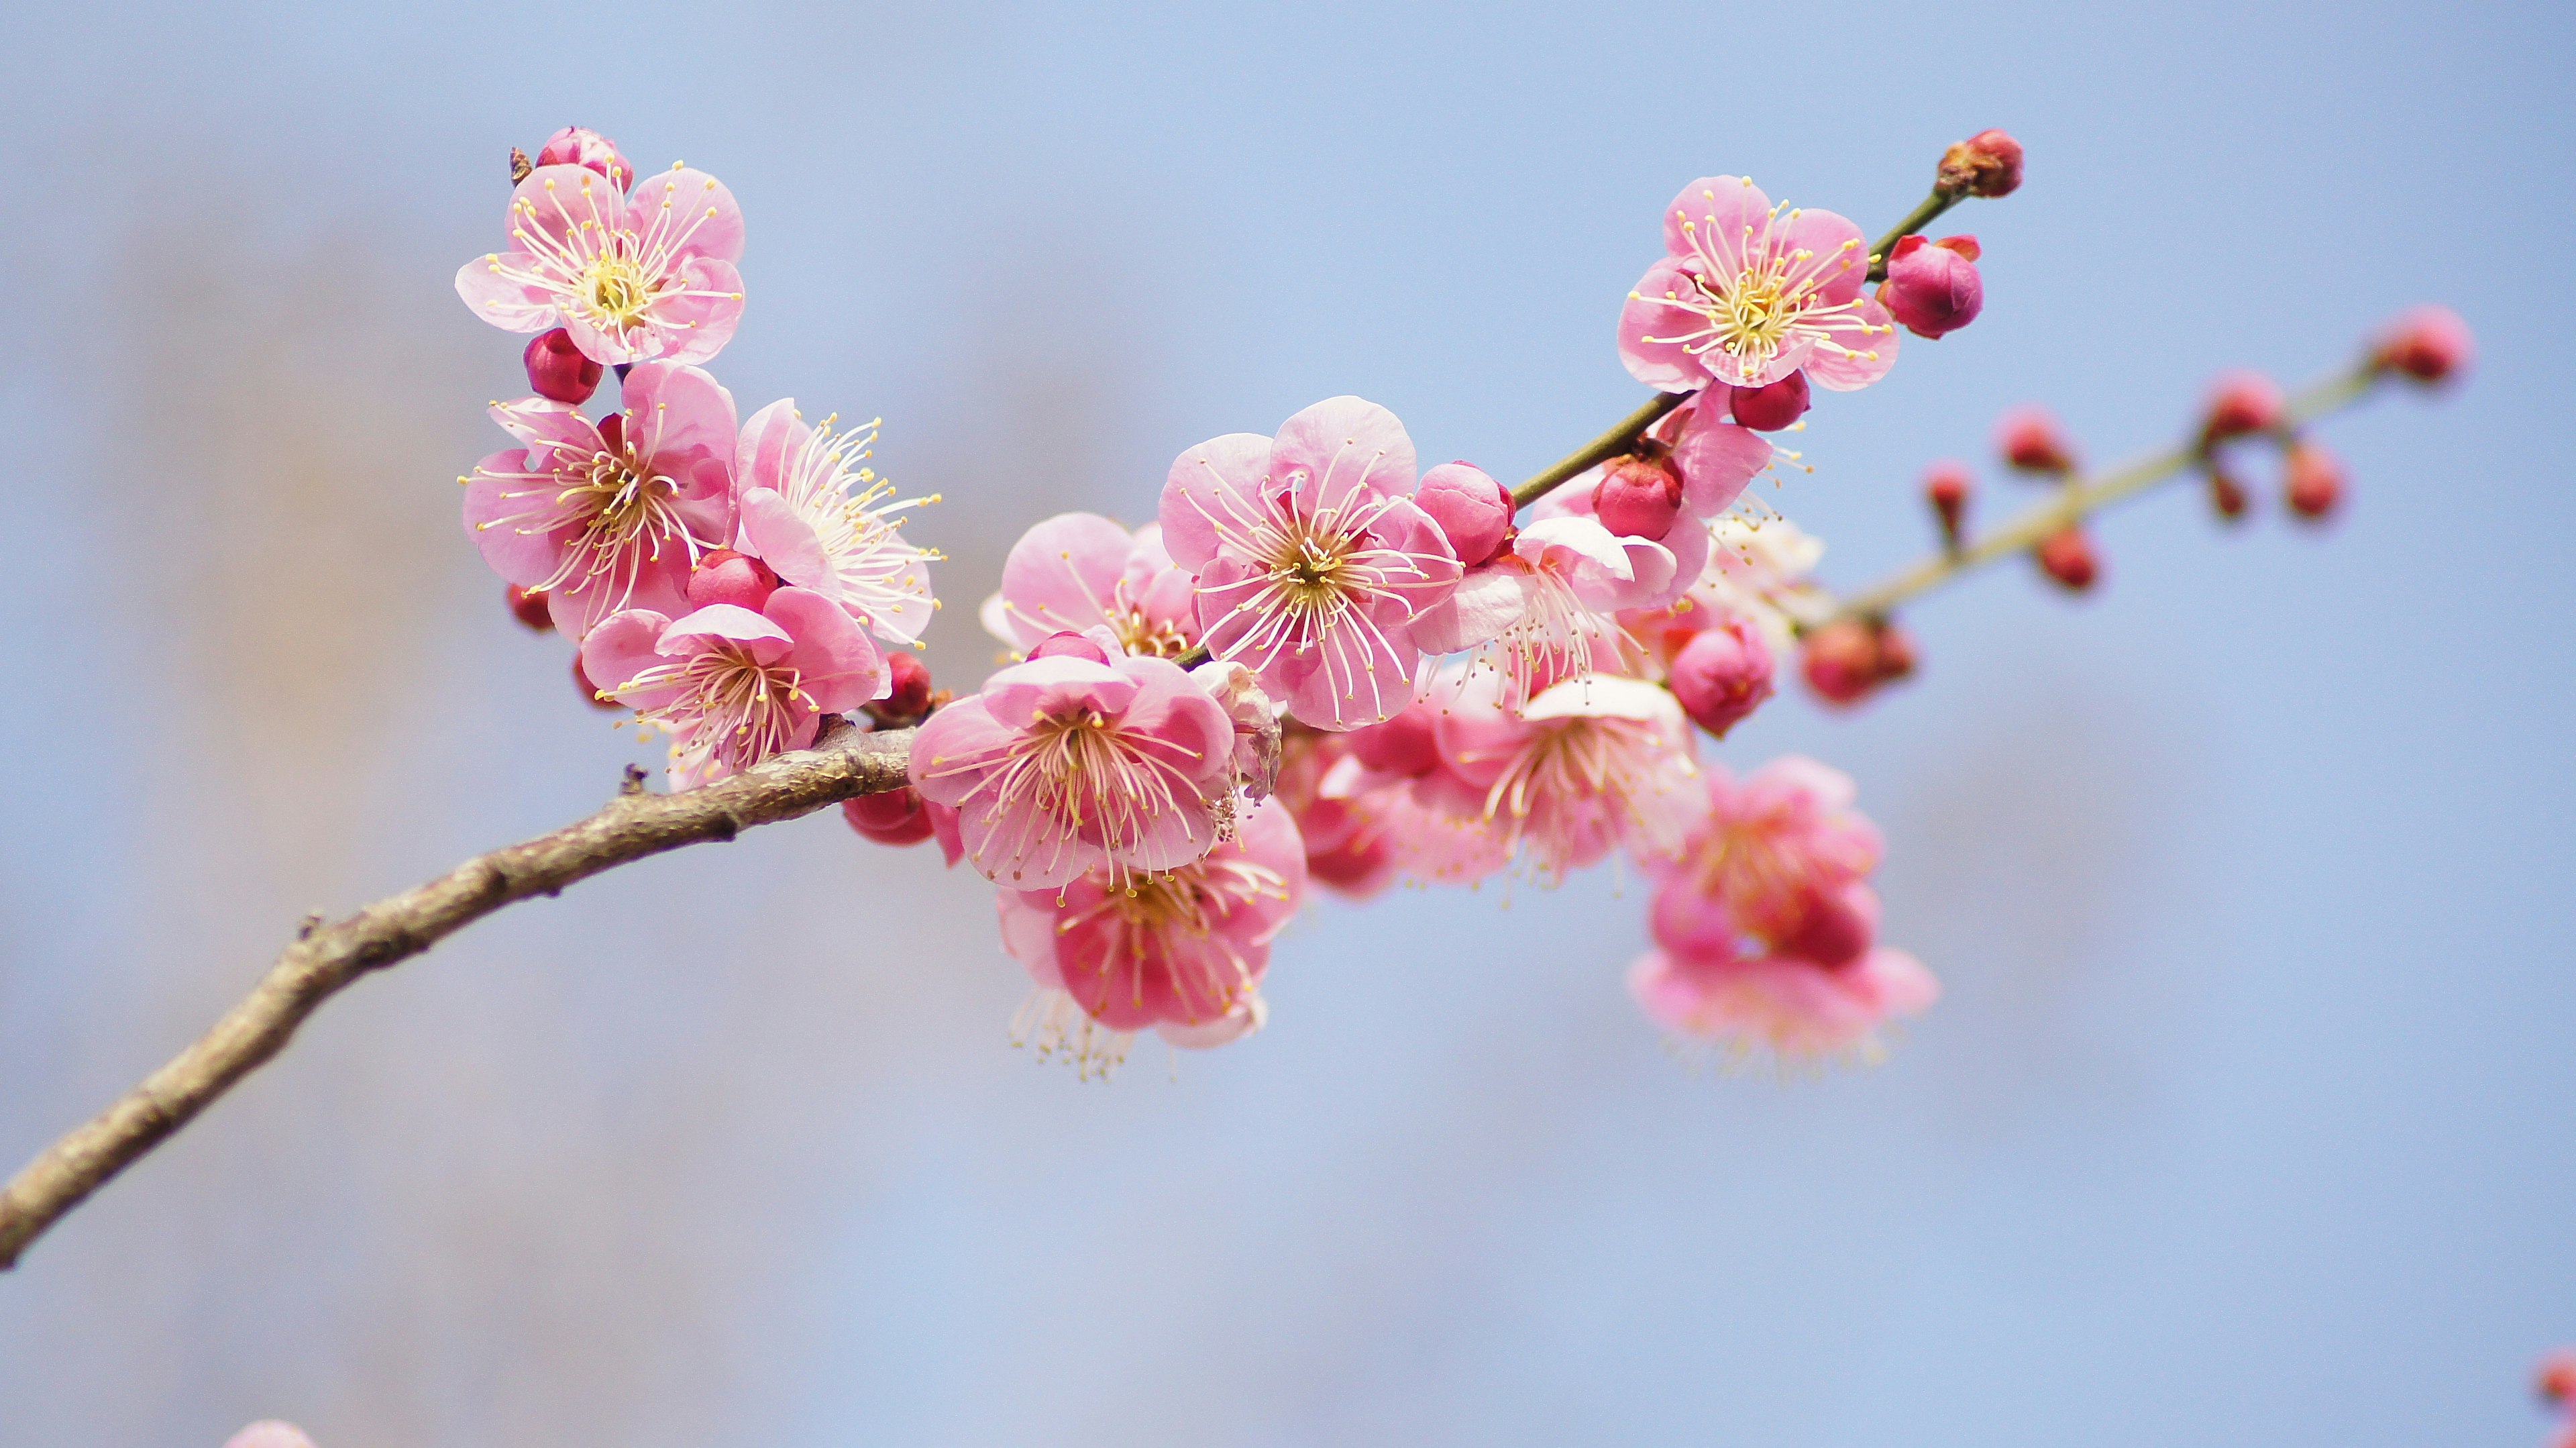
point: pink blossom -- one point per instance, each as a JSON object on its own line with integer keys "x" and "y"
{"x": 1182, "y": 952}
{"x": 817, "y": 514}
{"x": 1080, "y": 760}
{"x": 632, "y": 279}
{"x": 734, "y": 686}
{"x": 1079, "y": 571}
{"x": 1419, "y": 817}
{"x": 269, "y": 1433}
{"x": 1347, "y": 846}
{"x": 1312, "y": 560}
{"x": 1776, "y": 859}
{"x": 1593, "y": 764}
{"x": 1749, "y": 293}
{"x": 1795, "y": 1010}
{"x": 602, "y": 517}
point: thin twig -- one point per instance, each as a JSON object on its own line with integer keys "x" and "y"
{"x": 326, "y": 959}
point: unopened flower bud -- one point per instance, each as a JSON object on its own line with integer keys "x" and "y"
{"x": 590, "y": 691}
{"x": 2067, "y": 557}
{"x": 1895, "y": 654}
{"x": 894, "y": 817}
{"x": 724, "y": 576}
{"x": 2228, "y": 496}
{"x": 1837, "y": 930}
{"x": 581, "y": 146}
{"x": 1723, "y": 675}
{"x": 2240, "y": 404}
{"x": 557, "y": 369}
{"x": 2312, "y": 481}
{"x": 1070, "y": 646}
{"x": 1986, "y": 164}
{"x": 2429, "y": 344}
{"x": 1405, "y": 744}
{"x": 1639, "y": 495}
{"x": 908, "y": 688}
{"x": 1947, "y": 488}
{"x": 1840, "y": 661}
{"x": 1769, "y": 409}
{"x": 528, "y": 606}
{"x": 2556, "y": 1380}
{"x": 2029, "y": 439}
{"x": 520, "y": 165}
{"x": 1473, "y": 510}
{"x": 1933, "y": 287}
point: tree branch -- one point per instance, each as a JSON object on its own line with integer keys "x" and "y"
{"x": 326, "y": 959}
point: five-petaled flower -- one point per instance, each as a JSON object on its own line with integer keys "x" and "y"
{"x": 1594, "y": 764}
{"x": 1750, "y": 292}
{"x": 1078, "y": 571}
{"x": 632, "y": 278}
{"x": 821, "y": 518}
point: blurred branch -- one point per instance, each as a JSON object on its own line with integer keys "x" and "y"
{"x": 326, "y": 959}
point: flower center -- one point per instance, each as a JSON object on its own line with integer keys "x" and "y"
{"x": 1310, "y": 568}
{"x": 617, "y": 289}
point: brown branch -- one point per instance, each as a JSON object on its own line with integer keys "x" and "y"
{"x": 326, "y": 959}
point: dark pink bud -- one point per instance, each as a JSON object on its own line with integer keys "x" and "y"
{"x": 1069, "y": 646}
{"x": 1836, "y": 931}
{"x": 896, "y": 817}
{"x": 2429, "y": 344}
{"x": 724, "y": 576}
{"x": 1840, "y": 661}
{"x": 558, "y": 370}
{"x": 580, "y": 146}
{"x": 590, "y": 691}
{"x": 1473, "y": 510}
{"x": 528, "y": 606}
{"x": 1933, "y": 287}
{"x": 1639, "y": 495}
{"x": 2227, "y": 495}
{"x": 1402, "y": 745}
{"x": 908, "y": 696}
{"x": 1769, "y": 409}
{"x": 2557, "y": 1378}
{"x": 2313, "y": 481}
{"x": 2067, "y": 557}
{"x": 1723, "y": 675}
{"x": 1895, "y": 654}
{"x": 1947, "y": 488}
{"x": 2029, "y": 440}
{"x": 1986, "y": 164}
{"x": 2241, "y": 404}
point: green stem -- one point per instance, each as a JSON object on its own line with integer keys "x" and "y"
{"x": 1917, "y": 219}
{"x": 1622, "y": 436}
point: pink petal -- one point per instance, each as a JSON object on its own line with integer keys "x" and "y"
{"x": 555, "y": 432}
{"x": 556, "y": 201}
{"x": 1028, "y": 934}
{"x": 1486, "y": 602}
{"x": 1829, "y": 368}
{"x": 835, "y": 660}
{"x": 680, "y": 420}
{"x": 960, "y": 734}
{"x": 508, "y": 305}
{"x": 1717, "y": 210}
{"x": 696, "y": 327}
{"x": 1061, "y": 684}
{"x": 1658, "y": 308}
{"x": 1361, "y": 676}
{"x": 774, "y": 534}
{"x": 623, "y": 646}
{"x": 1840, "y": 259}
{"x": 1716, "y": 459}
{"x": 726, "y": 621}
{"x": 690, "y": 204}
{"x": 1214, "y": 487}
{"x": 519, "y": 555}
{"x": 769, "y": 444}
{"x": 1062, "y": 576}
{"x": 1344, "y": 445}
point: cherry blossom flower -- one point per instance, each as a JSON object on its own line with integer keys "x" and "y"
{"x": 1312, "y": 560}
{"x": 1795, "y": 1010}
{"x": 607, "y": 516}
{"x": 632, "y": 279}
{"x": 269, "y": 1433}
{"x": 734, "y": 686}
{"x": 1079, "y": 571}
{"x": 822, "y": 519}
{"x": 1181, "y": 952}
{"x": 1545, "y": 609}
{"x": 1078, "y": 760}
{"x": 1750, "y": 292}
{"x": 1777, "y": 859}
{"x": 1594, "y": 764}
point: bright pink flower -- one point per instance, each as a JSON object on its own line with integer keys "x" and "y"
{"x": 632, "y": 279}
{"x": 2429, "y": 344}
{"x": 1545, "y": 610}
{"x": 734, "y": 686}
{"x": 1947, "y": 487}
{"x": 816, "y": 513}
{"x": 1932, "y": 286}
{"x": 1181, "y": 952}
{"x": 1312, "y": 560}
{"x": 1777, "y": 859}
{"x": 613, "y": 515}
{"x": 1795, "y": 1010}
{"x": 1078, "y": 571}
{"x": 1079, "y": 761}
{"x": 581, "y": 146}
{"x": 1750, "y": 293}
{"x": 1593, "y": 764}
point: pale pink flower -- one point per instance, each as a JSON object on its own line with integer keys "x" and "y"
{"x": 1312, "y": 560}
{"x": 1182, "y": 952}
{"x": 1080, "y": 760}
{"x": 269, "y": 1433}
{"x": 1795, "y": 1010}
{"x": 632, "y": 278}
{"x": 1773, "y": 866}
{"x": 734, "y": 686}
{"x": 1079, "y": 571}
{"x": 1749, "y": 293}
{"x": 1594, "y": 764}
{"x": 607, "y": 516}
{"x": 821, "y": 518}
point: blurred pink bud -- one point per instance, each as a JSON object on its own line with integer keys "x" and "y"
{"x": 2312, "y": 481}
{"x": 1986, "y": 164}
{"x": 1473, "y": 510}
{"x": 1933, "y": 287}
{"x": 2557, "y": 1378}
{"x": 1837, "y": 929}
{"x": 2241, "y": 403}
{"x": 1069, "y": 646}
{"x": 1769, "y": 409}
{"x": 581, "y": 146}
{"x": 2067, "y": 557}
{"x": 1407, "y": 744}
{"x": 269, "y": 1433}
{"x": 2029, "y": 439}
{"x": 1840, "y": 661}
{"x": 528, "y": 606}
{"x": 558, "y": 371}
{"x": 2429, "y": 344}
{"x": 590, "y": 691}
{"x": 1723, "y": 675}
{"x": 908, "y": 693}
{"x": 724, "y": 576}
{"x": 2227, "y": 495}
{"x": 1639, "y": 495}
{"x": 1947, "y": 488}
{"x": 1895, "y": 654}
{"x": 896, "y": 817}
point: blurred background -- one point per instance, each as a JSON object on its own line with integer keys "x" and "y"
{"x": 2246, "y": 1119}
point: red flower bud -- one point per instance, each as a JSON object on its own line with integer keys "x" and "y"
{"x": 1986, "y": 164}
{"x": 1473, "y": 510}
{"x": 2429, "y": 344}
{"x": 2557, "y": 1378}
{"x": 590, "y": 691}
{"x": 528, "y": 606}
{"x": 908, "y": 690}
{"x": 558, "y": 370}
{"x": 1933, "y": 287}
{"x": 2313, "y": 481}
{"x": 1895, "y": 654}
{"x": 2228, "y": 496}
{"x": 580, "y": 146}
{"x": 1836, "y": 931}
{"x": 1069, "y": 646}
{"x": 2029, "y": 439}
{"x": 895, "y": 817}
{"x": 1947, "y": 488}
{"x": 2067, "y": 557}
{"x": 1723, "y": 675}
{"x": 1769, "y": 409}
{"x": 1639, "y": 495}
{"x": 1840, "y": 661}
{"x": 2241, "y": 403}
{"x": 724, "y": 576}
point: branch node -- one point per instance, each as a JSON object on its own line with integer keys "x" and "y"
{"x": 305, "y": 927}
{"x": 633, "y": 784}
